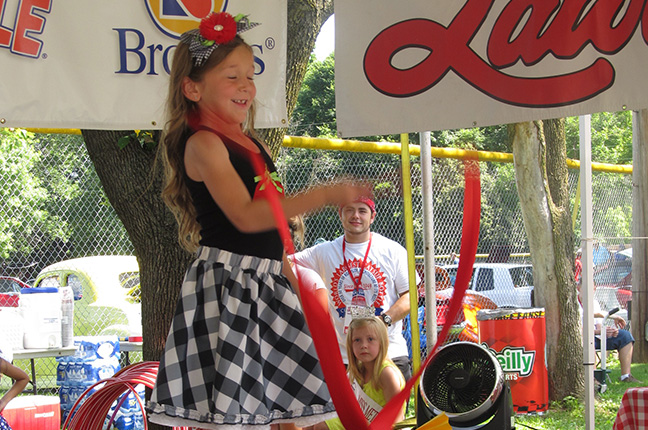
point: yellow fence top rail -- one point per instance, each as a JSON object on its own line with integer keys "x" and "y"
{"x": 456, "y": 153}
{"x": 391, "y": 148}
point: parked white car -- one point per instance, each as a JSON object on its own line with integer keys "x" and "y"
{"x": 103, "y": 287}
{"x": 506, "y": 284}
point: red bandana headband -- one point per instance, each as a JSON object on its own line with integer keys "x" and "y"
{"x": 367, "y": 201}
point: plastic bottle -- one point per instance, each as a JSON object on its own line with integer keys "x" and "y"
{"x": 107, "y": 346}
{"x": 73, "y": 395}
{"x": 125, "y": 421}
{"x": 75, "y": 373}
{"x": 100, "y": 369}
{"x": 64, "y": 397}
{"x": 136, "y": 411}
{"x": 138, "y": 419}
{"x": 62, "y": 372}
{"x": 67, "y": 316}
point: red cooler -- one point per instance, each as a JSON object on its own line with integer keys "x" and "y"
{"x": 517, "y": 337}
{"x": 33, "y": 412}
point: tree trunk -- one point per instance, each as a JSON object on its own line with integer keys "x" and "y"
{"x": 132, "y": 181}
{"x": 305, "y": 20}
{"x": 544, "y": 203}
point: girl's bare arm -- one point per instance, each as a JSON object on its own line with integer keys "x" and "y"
{"x": 207, "y": 160}
{"x": 18, "y": 375}
{"x": 390, "y": 381}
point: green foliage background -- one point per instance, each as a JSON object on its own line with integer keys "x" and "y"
{"x": 314, "y": 116}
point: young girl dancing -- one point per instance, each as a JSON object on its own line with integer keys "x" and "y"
{"x": 374, "y": 377}
{"x": 238, "y": 353}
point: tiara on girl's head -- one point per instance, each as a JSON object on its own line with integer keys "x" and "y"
{"x": 217, "y": 28}
{"x": 361, "y": 312}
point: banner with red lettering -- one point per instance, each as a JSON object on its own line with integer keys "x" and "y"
{"x": 420, "y": 65}
{"x": 105, "y": 64}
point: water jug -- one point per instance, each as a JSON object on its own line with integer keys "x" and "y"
{"x": 41, "y": 312}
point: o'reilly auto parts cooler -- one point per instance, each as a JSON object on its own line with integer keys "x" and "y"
{"x": 517, "y": 337}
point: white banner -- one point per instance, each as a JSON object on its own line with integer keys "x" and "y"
{"x": 105, "y": 64}
{"x": 417, "y": 65}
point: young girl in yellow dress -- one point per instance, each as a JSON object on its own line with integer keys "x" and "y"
{"x": 374, "y": 377}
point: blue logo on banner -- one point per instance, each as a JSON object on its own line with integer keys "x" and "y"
{"x": 174, "y": 17}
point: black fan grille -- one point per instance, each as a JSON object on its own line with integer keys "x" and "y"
{"x": 440, "y": 387}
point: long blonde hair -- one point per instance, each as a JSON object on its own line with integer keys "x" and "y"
{"x": 297, "y": 231}
{"x": 356, "y": 369}
{"x": 181, "y": 113}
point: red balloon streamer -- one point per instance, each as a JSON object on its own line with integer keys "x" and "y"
{"x": 333, "y": 368}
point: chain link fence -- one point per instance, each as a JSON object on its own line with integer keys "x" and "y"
{"x": 53, "y": 209}
{"x": 54, "y": 218}
{"x": 503, "y": 273}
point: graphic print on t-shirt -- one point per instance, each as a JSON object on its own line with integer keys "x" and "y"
{"x": 371, "y": 292}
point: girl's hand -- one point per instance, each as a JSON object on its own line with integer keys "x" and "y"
{"x": 343, "y": 193}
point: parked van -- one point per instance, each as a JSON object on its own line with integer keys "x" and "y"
{"x": 507, "y": 284}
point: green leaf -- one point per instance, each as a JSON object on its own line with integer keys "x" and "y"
{"x": 123, "y": 142}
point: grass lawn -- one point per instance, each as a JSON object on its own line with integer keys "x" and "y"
{"x": 568, "y": 414}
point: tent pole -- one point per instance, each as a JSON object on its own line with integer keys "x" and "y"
{"x": 428, "y": 237}
{"x": 588, "y": 262}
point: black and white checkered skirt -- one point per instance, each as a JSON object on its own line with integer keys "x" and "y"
{"x": 239, "y": 354}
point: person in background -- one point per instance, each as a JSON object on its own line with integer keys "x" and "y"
{"x": 297, "y": 229}
{"x": 307, "y": 277}
{"x": 20, "y": 378}
{"x": 454, "y": 259}
{"x": 374, "y": 377}
{"x": 365, "y": 274}
{"x": 600, "y": 255}
{"x": 616, "y": 338}
{"x": 578, "y": 265}
{"x": 238, "y": 352}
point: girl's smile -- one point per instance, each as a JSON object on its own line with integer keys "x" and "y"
{"x": 226, "y": 92}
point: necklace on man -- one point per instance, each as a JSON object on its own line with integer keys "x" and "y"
{"x": 356, "y": 282}
{"x": 355, "y": 310}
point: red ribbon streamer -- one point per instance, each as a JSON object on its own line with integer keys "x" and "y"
{"x": 469, "y": 239}
{"x": 344, "y": 399}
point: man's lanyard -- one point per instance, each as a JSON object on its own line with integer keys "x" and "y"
{"x": 356, "y": 282}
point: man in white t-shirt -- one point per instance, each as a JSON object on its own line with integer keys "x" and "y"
{"x": 365, "y": 274}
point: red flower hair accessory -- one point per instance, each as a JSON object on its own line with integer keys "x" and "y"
{"x": 217, "y": 28}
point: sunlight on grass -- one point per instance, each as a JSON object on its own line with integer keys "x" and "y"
{"x": 569, "y": 414}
